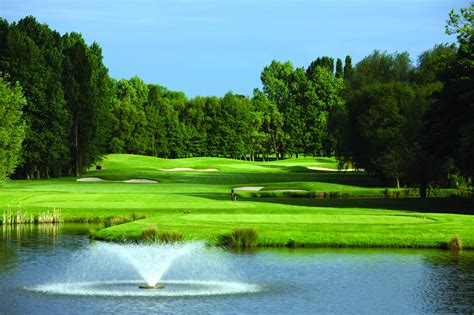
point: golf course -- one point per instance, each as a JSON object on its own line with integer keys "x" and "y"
{"x": 304, "y": 202}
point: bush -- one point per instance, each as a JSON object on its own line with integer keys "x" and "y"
{"x": 239, "y": 238}
{"x": 149, "y": 234}
{"x": 291, "y": 243}
{"x": 334, "y": 194}
{"x": 455, "y": 244}
{"x": 171, "y": 237}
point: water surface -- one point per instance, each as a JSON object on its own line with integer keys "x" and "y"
{"x": 58, "y": 270}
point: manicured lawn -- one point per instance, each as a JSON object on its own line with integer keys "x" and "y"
{"x": 197, "y": 204}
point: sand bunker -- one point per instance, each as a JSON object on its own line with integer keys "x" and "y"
{"x": 134, "y": 180}
{"x": 178, "y": 169}
{"x": 142, "y": 181}
{"x": 330, "y": 169}
{"x": 253, "y": 188}
{"x": 90, "y": 179}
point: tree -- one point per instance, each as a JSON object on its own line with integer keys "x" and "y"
{"x": 450, "y": 121}
{"x": 339, "y": 70}
{"x": 32, "y": 55}
{"x": 129, "y": 129}
{"x": 88, "y": 92}
{"x": 380, "y": 67}
{"x": 12, "y": 127}
{"x": 319, "y": 98}
{"x": 271, "y": 123}
{"x": 348, "y": 70}
{"x": 277, "y": 84}
{"x": 323, "y": 62}
{"x": 379, "y": 140}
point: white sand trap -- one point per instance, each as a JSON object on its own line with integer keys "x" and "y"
{"x": 178, "y": 169}
{"x": 253, "y": 188}
{"x": 314, "y": 168}
{"x": 91, "y": 179}
{"x": 288, "y": 190}
{"x": 133, "y": 180}
{"x": 142, "y": 181}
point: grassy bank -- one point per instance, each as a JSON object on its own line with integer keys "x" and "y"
{"x": 196, "y": 203}
{"x": 324, "y": 227}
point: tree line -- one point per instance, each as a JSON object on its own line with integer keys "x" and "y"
{"x": 403, "y": 121}
{"x": 68, "y": 93}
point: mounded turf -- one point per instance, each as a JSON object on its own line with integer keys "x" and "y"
{"x": 197, "y": 204}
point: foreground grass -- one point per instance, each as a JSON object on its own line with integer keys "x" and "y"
{"x": 324, "y": 227}
{"x": 197, "y": 204}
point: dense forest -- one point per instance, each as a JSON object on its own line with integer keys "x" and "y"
{"x": 408, "y": 122}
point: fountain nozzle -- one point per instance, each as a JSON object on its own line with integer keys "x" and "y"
{"x": 146, "y": 286}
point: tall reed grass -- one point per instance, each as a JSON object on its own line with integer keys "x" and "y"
{"x": 170, "y": 237}
{"x": 239, "y": 238}
{"x": 455, "y": 244}
{"x": 10, "y": 217}
{"x": 149, "y": 234}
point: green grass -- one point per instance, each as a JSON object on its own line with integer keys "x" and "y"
{"x": 197, "y": 205}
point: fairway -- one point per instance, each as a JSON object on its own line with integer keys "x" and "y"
{"x": 198, "y": 206}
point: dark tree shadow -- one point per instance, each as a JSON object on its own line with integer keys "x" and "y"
{"x": 453, "y": 205}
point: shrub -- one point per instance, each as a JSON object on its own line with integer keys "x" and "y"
{"x": 239, "y": 238}
{"x": 149, "y": 234}
{"x": 291, "y": 243}
{"x": 171, "y": 237}
{"x": 334, "y": 194}
{"x": 455, "y": 244}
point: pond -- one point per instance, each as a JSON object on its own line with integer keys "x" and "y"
{"x": 59, "y": 270}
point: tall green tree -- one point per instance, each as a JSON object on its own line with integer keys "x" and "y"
{"x": 272, "y": 122}
{"x": 348, "y": 69}
{"x": 129, "y": 127}
{"x": 88, "y": 94}
{"x": 450, "y": 121}
{"x": 31, "y": 54}
{"x": 277, "y": 81}
{"x": 12, "y": 127}
{"x": 339, "y": 70}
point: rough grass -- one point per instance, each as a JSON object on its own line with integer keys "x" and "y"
{"x": 149, "y": 234}
{"x": 197, "y": 205}
{"x": 239, "y": 238}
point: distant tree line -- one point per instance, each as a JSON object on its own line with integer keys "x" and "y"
{"x": 403, "y": 122}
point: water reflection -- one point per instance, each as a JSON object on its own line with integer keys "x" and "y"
{"x": 21, "y": 232}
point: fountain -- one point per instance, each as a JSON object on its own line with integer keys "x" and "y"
{"x": 188, "y": 269}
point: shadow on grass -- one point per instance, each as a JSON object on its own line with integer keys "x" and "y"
{"x": 454, "y": 205}
{"x": 246, "y": 179}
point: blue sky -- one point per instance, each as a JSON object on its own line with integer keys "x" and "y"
{"x": 210, "y": 47}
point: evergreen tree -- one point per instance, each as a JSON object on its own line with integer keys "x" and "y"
{"x": 348, "y": 70}
{"x": 339, "y": 70}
